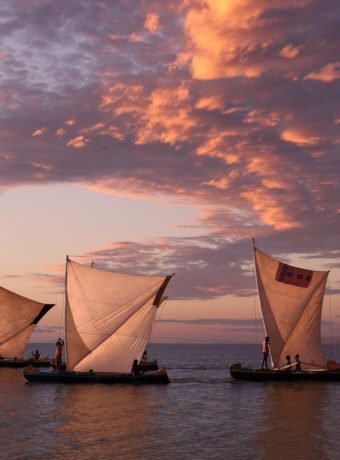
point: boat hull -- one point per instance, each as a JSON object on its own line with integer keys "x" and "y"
{"x": 240, "y": 373}
{"x": 33, "y": 375}
{"x": 24, "y": 362}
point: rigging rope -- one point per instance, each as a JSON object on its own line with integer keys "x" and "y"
{"x": 330, "y": 314}
{"x": 62, "y": 316}
{"x": 161, "y": 308}
{"x": 255, "y": 304}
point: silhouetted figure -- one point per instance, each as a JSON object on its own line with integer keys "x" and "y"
{"x": 287, "y": 363}
{"x": 58, "y": 353}
{"x": 298, "y": 363}
{"x": 145, "y": 357}
{"x": 135, "y": 368}
{"x": 36, "y": 355}
{"x": 265, "y": 353}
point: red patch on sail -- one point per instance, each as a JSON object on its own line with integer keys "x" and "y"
{"x": 293, "y": 275}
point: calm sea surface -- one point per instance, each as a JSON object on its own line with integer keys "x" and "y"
{"x": 202, "y": 414}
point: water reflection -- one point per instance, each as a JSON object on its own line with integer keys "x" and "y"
{"x": 292, "y": 422}
{"x": 108, "y": 422}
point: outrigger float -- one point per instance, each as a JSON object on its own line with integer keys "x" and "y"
{"x": 108, "y": 322}
{"x": 291, "y": 302}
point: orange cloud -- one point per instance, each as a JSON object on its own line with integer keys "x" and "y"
{"x": 216, "y": 145}
{"x": 263, "y": 118}
{"x": 221, "y": 184}
{"x": 43, "y": 166}
{"x": 230, "y": 39}
{"x": 39, "y": 132}
{"x": 114, "y": 132}
{"x": 95, "y": 127}
{"x": 290, "y": 51}
{"x": 215, "y": 102}
{"x": 60, "y": 132}
{"x": 78, "y": 142}
{"x": 328, "y": 73}
{"x": 152, "y": 22}
{"x": 135, "y": 38}
{"x": 300, "y": 136}
{"x": 165, "y": 115}
{"x": 70, "y": 122}
{"x": 270, "y": 211}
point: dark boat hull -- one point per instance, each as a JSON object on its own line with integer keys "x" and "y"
{"x": 240, "y": 373}
{"x": 33, "y": 375}
{"x": 24, "y": 362}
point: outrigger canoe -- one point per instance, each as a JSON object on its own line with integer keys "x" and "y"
{"x": 108, "y": 322}
{"x": 291, "y": 303}
{"x": 35, "y": 375}
{"x": 244, "y": 373}
{"x": 24, "y": 362}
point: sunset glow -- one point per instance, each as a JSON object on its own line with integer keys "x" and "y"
{"x": 157, "y": 137}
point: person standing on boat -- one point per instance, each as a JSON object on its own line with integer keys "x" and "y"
{"x": 36, "y": 355}
{"x": 58, "y": 353}
{"x": 298, "y": 363}
{"x": 135, "y": 368}
{"x": 265, "y": 353}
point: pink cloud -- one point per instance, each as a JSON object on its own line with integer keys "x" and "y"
{"x": 328, "y": 73}
{"x": 289, "y": 51}
{"x": 218, "y": 105}
{"x": 39, "y": 132}
{"x": 78, "y": 142}
{"x": 152, "y": 22}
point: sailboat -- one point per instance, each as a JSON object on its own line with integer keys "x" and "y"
{"x": 291, "y": 302}
{"x": 18, "y": 318}
{"x": 108, "y": 322}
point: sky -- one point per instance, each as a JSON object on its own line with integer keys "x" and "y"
{"x": 160, "y": 137}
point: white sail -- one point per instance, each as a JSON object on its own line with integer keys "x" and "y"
{"x": 291, "y": 302}
{"x": 109, "y": 317}
{"x": 18, "y": 318}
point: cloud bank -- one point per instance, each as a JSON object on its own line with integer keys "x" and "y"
{"x": 231, "y": 107}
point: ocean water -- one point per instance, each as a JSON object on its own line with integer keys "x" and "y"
{"x": 202, "y": 414}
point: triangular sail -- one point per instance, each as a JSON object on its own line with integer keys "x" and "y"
{"x": 18, "y": 318}
{"x": 291, "y": 302}
{"x": 109, "y": 317}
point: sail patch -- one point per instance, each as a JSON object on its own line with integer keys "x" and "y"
{"x": 293, "y": 275}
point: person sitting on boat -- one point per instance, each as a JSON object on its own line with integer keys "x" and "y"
{"x": 287, "y": 363}
{"x": 265, "y": 352}
{"x": 135, "y": 368}
{"x": 58, "y": 353}
{"x": 145, "y": 357}
{"x": 36, "y": 355}
{"x": 298, "y": 363}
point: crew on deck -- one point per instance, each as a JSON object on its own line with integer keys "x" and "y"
{"x": 135, "y": 368}
{"x": 58, "y": 353}
{"x": 287, "y": 363}
{"x": 265, "y": 352}
{"x": 298, "y": 363}
{"x": 36, "y": 355}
